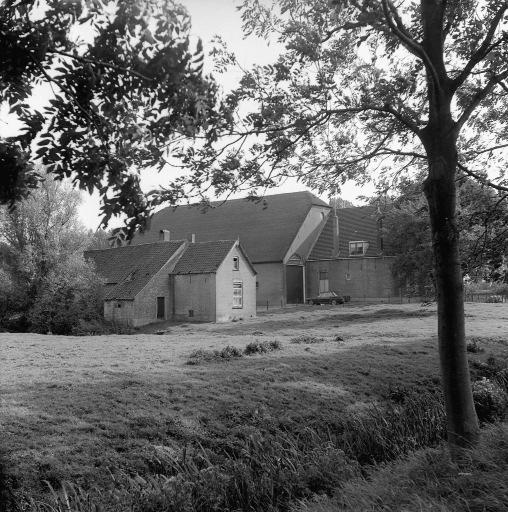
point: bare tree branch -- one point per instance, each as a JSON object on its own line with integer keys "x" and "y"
{"x": 488, "y": 150}
{"x": 104, "y": 64}
{"x": 481, "y": 179}
{"x": 397, "y": 27}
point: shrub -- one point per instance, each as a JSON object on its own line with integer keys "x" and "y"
{"x": 488, "y": 369}
{"x": 490, "y": 401}
{"x": 306, "y": 339}
{"x": 71, "y": 292}
{"x": 99, "y": 326}
{"x": 473, "y": 346}
{"x": 261, "y": 347}
{"x": 200, "y": 355}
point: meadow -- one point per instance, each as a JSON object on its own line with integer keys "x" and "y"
{"x": 272, "y": 413}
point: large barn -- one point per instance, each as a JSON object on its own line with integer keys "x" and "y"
{"x": 296, "y": 242}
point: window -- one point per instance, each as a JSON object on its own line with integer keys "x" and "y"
{"x": 236, "y": 263}
{"x": 324, "y": 282}
{"x": 237, "y": 295}
{"x": 358, "y": 248}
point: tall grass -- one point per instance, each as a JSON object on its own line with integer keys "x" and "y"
{"x": 380, "y": 434}
{"x": 427, "y": 481}
{"x": 267, "y": 466}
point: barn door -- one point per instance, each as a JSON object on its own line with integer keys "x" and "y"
{"x": 161, "y": 308}
{"x": 294, "y": 284}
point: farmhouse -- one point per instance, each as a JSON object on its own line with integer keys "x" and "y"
{"x": 180, "y": 280}
{"x": 297, "y": 243}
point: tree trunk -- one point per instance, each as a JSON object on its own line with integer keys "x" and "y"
{"x": 440, "y": 191}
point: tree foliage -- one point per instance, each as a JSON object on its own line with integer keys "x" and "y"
{"x": 72, "y": 294}
{"x": 41, "y": 261}
{"x": 126, "y": 85}
{"x": 482, "y": 220}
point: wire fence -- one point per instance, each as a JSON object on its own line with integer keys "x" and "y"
{"x": 486, "y": 297}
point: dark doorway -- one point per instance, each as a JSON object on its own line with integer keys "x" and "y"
{"x": 161, "y": 308}
{"x": 294, "y": 284}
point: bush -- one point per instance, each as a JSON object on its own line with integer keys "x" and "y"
{"x": 473, "y": 346}
{"x": 98, "y": 327}
{"x": 200, "y": 355}
{"x": 490, "y": 401}
{"x": 307, "y": 339}
{"x": 489, "y": 369}
{"x": 261, "y": 347}
{"x": 71, "y": 293}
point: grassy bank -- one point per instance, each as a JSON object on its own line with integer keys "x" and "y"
{"x": 428, "y": 481}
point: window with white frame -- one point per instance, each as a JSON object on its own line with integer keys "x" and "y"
{"x": 324, "y": 282}
{"x": 236, "y": 263}
{"x": 237, "y": 294}
{"x": 358, "y": 248}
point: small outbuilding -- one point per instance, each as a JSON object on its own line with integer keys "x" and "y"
{"x": 176, "y": 280}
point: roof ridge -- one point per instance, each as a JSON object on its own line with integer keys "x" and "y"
{"x": 246, "y": 198}
{"x": 159, "y": 242}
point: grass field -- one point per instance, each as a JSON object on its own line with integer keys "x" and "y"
{"x": 91, "y": 410}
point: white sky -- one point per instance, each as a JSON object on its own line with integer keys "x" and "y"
{"x": 209, "y": 18}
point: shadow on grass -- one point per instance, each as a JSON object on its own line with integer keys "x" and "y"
{"x": 343, "y": 317}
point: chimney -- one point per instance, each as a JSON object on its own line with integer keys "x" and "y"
{"x": 164, "y": 235}
{"x": 193, "y": 238}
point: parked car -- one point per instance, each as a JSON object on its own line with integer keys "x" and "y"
{"x": 326, "y": 298}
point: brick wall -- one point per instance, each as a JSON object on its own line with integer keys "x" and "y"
{"x": 195, "y": 293}
{"x": 360, "y": 278}
{"x": 225, "y": 277}
{"x": 120, "y": 311}
{"x": 145, "y": 303}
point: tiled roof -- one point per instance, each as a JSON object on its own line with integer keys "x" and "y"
{"x": 359, "y": 224}
{"x": 323, "y": 248}
{"x": 128, "y": 269}
{"x": 203, "y": 257}
{"x": 265, "y": 229}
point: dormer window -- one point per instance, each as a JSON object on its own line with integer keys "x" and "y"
{"x": 236, "y": 263}
{"x": 358, "y": 248}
